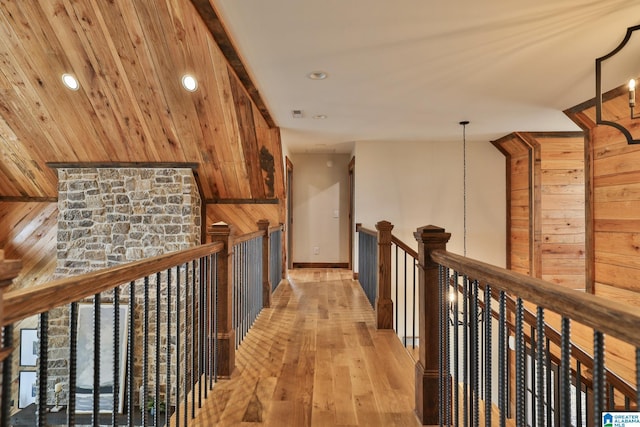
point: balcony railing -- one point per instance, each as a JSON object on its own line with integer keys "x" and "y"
{"x": 497, "y": 346}
{"x": 395, "y": 277}
{"x": 138, "y": 344}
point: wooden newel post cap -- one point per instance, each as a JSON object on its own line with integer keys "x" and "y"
{"x": 384, "y": 226}
{"x": 219, "y": 230}
{"x": 263, "y": 224}
{"x": 431, "y": 234}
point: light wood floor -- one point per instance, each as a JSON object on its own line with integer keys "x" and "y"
{"x": 316, "y": 359}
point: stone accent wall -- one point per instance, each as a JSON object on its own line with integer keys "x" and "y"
{"x": 111, "y": 216}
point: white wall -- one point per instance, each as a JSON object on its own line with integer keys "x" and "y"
{"x": 320, "y": 207}
{"x": 412, "y": 184}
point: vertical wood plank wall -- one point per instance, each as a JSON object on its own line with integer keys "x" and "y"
{"x": 518, "y": 169}
{"x": 614, "y": 183}
{"x": 546, "y": 227}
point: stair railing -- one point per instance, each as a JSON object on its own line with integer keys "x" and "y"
{"x": 159, "y": 333}
{"x": 538, "y": 382}
{"x": 388, "y": 272}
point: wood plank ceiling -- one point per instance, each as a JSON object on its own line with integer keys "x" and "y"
{"x": 129, "y": 57}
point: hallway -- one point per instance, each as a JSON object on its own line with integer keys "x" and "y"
{"x": 316, "y": 359}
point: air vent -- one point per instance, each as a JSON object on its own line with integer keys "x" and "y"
{"x": 297, "y": 114}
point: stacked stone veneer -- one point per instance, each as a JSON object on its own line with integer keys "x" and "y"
{"x": 111, "y": 216}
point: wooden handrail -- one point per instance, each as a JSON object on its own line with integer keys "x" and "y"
{"x": 619, "y": 320}
{"x": 361, "y": 229}
{"x": 402, "y": 245}
{"x": 247, "y": 237}
{"x": 554, "y": 336}
{"x": 275, "y": 228}
{"x": 24, "y": 303}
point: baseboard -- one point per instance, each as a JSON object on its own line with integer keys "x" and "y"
{"x": 320, "y": 265}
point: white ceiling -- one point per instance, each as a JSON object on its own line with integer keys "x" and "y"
{"x": 413, "y": 69}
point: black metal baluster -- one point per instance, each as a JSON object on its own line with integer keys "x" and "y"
{"x": 206, "y": 324}
{"x": 167, "y": 393}
{"x": 7, "y": 342}
{"x": 397, "y": 324}
{"x": 116, "y": 356}
{"x": 187, "y": 389}
{"x": 565, "y": 372}
{"x": 637, "y": 376}
{"x": 178, "y": 343}
{"x": 549, "y": 389}
{"x": 215, "y": 322}
{"x": 145, "y": 352}
{"x": 441, "y": 380}
{"x": 156, "y": 397}
{"x": 465, "y": 351}
{"x": 193, "y": 338}
{"x": 532, "y": 378}
{"x": 475, "y": 393}
{"x": 413, "y": 320}
{"x": 73, "y": 363}
{"x": 540, "y": 352}
{"x": 404, "y": 307}
{"x": 447, "y": 344}
{"x": 488, "y": 356}
{"x": 201, "y": 313}
{"x": 95, "y": 416}
{"x": 520, "y": 364}
{"x": 131, "y": 354}
{"x": 502, "y": 362}
{"x": 43, "y": 378}
{"x": 612, "y": 402}
{"x": 579, "y": 393}
{"x": 456, "y": 352}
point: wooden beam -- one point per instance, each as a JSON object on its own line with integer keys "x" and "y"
{"x": 28, "y": 199}
{"x": 242, "y": 201}
{"x": 102, "y": 165}
{"x": 222, "y": 39}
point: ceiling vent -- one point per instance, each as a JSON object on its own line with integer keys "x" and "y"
{"x": 297, "y": 114}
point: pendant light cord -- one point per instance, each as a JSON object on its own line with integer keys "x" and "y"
{"x": 464, "y": 124}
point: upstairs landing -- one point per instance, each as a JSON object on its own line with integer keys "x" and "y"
{"x": 316, "y": 359}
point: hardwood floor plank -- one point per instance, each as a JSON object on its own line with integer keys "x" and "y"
{"x": 316, "y": 359}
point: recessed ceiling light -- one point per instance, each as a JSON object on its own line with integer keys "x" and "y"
{"x": 320, "y": 116}
{"x": 189, "y": 82}
{"x": 297, "y": 114}
{"x": 70, "y": 81}
{"x": 317, "y": 75}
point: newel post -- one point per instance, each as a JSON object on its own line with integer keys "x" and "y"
{"x": 429, "y": 239}
{"x": 384, "y": 303}
{"x": 226, "y": 335}
{"x": 263, "y": 225}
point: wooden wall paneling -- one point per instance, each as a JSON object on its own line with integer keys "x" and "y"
{"x": 131, "y": 107}
{"x": 216, "y": 147}
{"x": 546, "y": 205}
{"x": 72, "y": 111}
{"x": 165, "y": 40}
{"x": 249, "y": 143}
{"x": 563, "y": 209}
{"x": 243, "y": 217}
{"x": 270, "y": 140}
{"x": 139, "y": 81}
{"x": 28, "y": 232}
{"x": 116, "y": 118}
{"x": 222, "y": 101}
